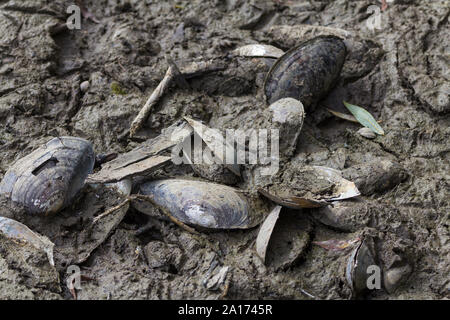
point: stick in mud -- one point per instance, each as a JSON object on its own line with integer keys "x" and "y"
{"x": 111, "y": 210}
{"x": 172, "y": 74}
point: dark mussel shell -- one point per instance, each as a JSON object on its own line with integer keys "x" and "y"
{"x": 306, "y": 72}
{"x": 198, "y": 203}
{"x": 47, "y": 180}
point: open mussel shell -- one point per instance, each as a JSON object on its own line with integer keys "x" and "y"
{"x": 20, "y": 233}
{"x": 282, "y": 238}
{"x": 202, "y": 204}
{"x": 47, "y": 180}
{"x": 356, "y": 272}
{"x": 309, "y": 187}
{"x": 306, "y": 72}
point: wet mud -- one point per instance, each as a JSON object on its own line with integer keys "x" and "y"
{"x": 399, "y": 72}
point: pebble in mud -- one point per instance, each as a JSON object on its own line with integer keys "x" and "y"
{"x": 367, "y": 133}
{"x": 84, "y": 86}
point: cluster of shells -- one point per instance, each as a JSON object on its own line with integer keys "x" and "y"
{"x": 47, "y": 180}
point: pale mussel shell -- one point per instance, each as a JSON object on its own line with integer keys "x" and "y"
{"x": 21, "y": 234}
{"x": 306, "y": 72}
{"x": 202, "y": 204}
{"x": 47, "y": 180}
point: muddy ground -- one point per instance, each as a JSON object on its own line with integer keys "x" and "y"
{"x": 399, "y": 72}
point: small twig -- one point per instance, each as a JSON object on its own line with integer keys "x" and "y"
{"x": 192, "y": 70}
{"x": 171, "y": 217}
{"x": 72, "y": 290}
{"x": 307, "y": 294}
{"x": 152, "y": 100}
{"x": 111, "y": 210}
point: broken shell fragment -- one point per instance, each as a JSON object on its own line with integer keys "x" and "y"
{"x": 357, "y": 267}
{"x": 309, "y": 187}
{"x": 20, "y": 233}
{"x": 144, "y": 159}
{"x": 84, "y": 86}
{"x": 306, "y": 72}
{"x": 214, "y": 282}
{"x": 202, "y": 204}
{"x": 224, "y": 153}
{"x": 293, "y": 202}
{"x": 258, "y": 50}
{"x": 47, "y": 180}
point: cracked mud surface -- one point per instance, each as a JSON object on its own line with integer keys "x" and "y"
{"x": 399, "y": 73}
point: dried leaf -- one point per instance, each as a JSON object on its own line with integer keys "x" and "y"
{"x": 336, "y": 245}
{"x": 344, "y": 116}
{"x": 365, "y": 118}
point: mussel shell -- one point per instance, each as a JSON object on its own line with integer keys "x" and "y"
{"x": 357, "y": 265}
{"x": 199, "y": 203}
{"x": 306, "y": 72}
{"x": 47, "y": 180}
{"x": 20, "y": 233}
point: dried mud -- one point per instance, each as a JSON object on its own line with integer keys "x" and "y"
{"x": 399, "y": 73}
